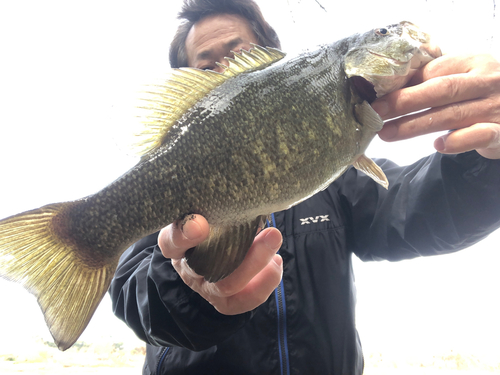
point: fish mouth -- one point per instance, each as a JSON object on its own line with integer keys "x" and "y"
{"x": 364, "y": 88}
{"x": 424, "y": 48}
{"x": 389, "y": 64}
{"x": 414, "y": 32}
{"x": 393, "y": 61}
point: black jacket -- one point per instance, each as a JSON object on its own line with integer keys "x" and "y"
{"x": 438, "y": 205}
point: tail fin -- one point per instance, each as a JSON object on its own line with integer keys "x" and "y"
{"x": 68, "y": 291}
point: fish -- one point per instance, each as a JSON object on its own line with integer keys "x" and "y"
{"x": 268, "y": 132}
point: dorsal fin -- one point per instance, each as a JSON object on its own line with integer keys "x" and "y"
{"x": 167, "y": 101}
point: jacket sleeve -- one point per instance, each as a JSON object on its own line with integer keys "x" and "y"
{"x": 440, "y": 204}
{"x": 151, "y": 298}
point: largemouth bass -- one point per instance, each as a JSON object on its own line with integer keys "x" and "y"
{"x": 264, "y": 135}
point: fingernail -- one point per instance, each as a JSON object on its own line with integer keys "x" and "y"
{"x": 381, "y": 107}
{"x": 439, "y": 144}
{"x": 273, "y": 240}
{"x": 191, "y": 229}
{"x": 278, "y": 260}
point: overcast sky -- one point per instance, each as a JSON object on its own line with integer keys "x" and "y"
{"x": 66, "y": 71}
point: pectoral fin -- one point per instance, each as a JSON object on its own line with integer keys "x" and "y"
{"x": 224, "y": 250}
{"x": 369, "y": 167}
{"x": 367, "y": 116}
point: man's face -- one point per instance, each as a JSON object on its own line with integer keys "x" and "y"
{"x": 213, "y": 37}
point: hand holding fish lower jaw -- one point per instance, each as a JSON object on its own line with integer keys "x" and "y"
{"x": 459, "y": 93}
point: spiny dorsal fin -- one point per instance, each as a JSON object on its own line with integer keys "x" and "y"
{"x": 167, "y": 101}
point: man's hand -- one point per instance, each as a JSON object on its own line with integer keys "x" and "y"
{"x": 247, "y": 287}
{"x": 463, "y": 94}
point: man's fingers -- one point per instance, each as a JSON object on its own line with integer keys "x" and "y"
{"x": 190, "y": 278}
{"x": 485, "y": 138}
{"x": 448, "y": 117}
{"x": 434, "y": 93}
{"x": 176, "y": 238}
{"x": 449, "y": 65}
{"x": 443, "y": 81}
{"x": 262, "y": 251}
{"x": 249, "y": 285}
{"x": 256, "y": 292}
{"x": 451, "y": 93}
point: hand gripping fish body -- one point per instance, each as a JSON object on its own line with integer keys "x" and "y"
{"x": 267, "y": 133}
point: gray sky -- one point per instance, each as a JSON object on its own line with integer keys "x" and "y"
{"x": 67, "y": 70}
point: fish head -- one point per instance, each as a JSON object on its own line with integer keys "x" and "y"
{"x": 384, "y": 59}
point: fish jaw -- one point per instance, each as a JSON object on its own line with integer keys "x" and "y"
{"x": 387, "y": 58}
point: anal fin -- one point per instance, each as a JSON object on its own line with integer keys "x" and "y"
{"x": 224, "y": 250}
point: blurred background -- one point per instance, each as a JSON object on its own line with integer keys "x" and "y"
{"x": 67, "y": 72}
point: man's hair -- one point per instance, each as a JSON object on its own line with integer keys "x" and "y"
{"x": 194, "y": 10}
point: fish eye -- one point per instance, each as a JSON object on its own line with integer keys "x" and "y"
{"x": 382, "y": 31}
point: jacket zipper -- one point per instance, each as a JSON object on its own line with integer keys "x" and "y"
{"x": 162, "y": 358}
{"x": 279, "y": 294}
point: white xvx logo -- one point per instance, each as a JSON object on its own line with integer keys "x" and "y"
{"x": 319, "y": 218}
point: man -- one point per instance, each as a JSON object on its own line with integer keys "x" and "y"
{"x": 293, "y": 313}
